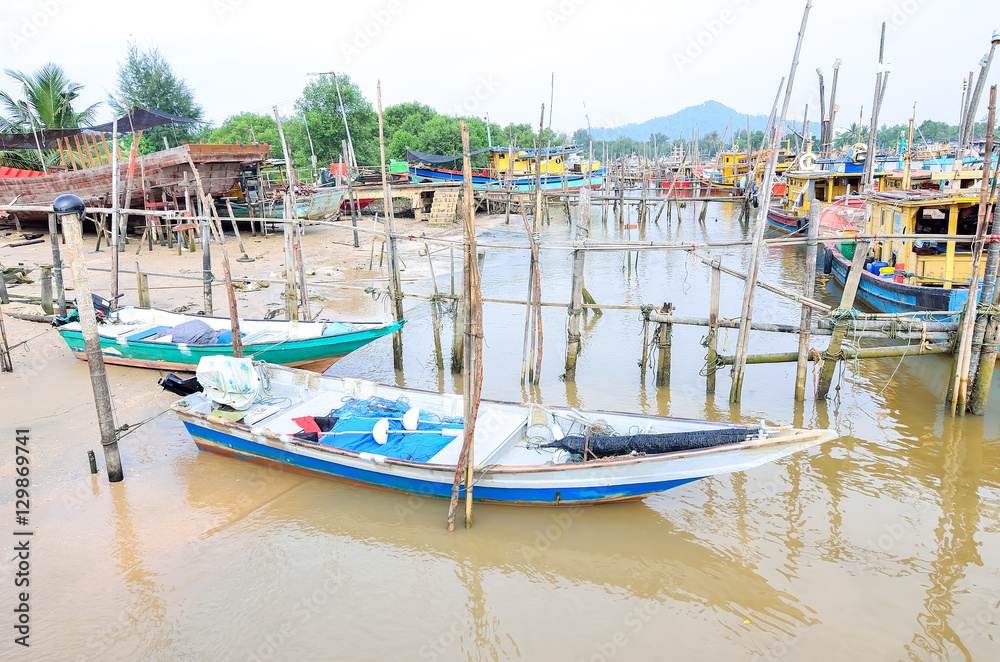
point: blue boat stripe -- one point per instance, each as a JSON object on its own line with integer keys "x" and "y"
{"x": 252, "y": 449}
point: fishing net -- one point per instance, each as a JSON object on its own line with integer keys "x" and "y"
{"x": 842, "y": 217}
{"x": 651, "y": 444}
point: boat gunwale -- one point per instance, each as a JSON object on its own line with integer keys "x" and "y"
{"x": 792, "y": 435}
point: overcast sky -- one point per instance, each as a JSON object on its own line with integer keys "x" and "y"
{"x": 621, "y": 61}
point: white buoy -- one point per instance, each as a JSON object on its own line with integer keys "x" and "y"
{"x": 557, "y": 432}
{"x": 381, "y": 431}
{"x": 411, "y": 418}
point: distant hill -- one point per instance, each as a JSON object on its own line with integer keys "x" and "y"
{"x": 709, "y": 116}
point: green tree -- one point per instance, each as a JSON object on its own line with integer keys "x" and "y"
{"x": 47, "y": 103}
{"x": 321, "y": 108}
{"x": 146, "y": 80}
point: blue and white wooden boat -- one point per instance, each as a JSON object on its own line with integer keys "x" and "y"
{"x": 516, "y": 460}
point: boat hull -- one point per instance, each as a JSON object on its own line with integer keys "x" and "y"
{"x": 549, "y": 182}
{"x": 315, "y": 354}
{"x": 511, "y": 471}
{"x": 887, "y": 296}
{"x": 785, "y": 223}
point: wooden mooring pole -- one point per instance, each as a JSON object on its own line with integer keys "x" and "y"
{"x": 713, "y": 327}
{"x": 832, "y": 354}
{"x": 473, "y": 375}
{"x": 576, "y": 288}
{"x": 809, "y": 288}
{"x": 396, "y": 305}
{"x": 664, "y": 338}
{"x": 71, "y": 209}
{"x": 746, "y": 314}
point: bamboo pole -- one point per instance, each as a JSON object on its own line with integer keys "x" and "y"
{"x": 216, "y": 229}
{"x": 92, "y": 342}
{"x": 852, "y": 353}
{"x": 350, "y": 195}
{"x": 832, "y": 354}
{"x": 291, "y": 294}
{"x": 808, "y": 289}
{"x": 6, "y": 364}
{"x": 236, "y": 231}
{"x": 473, "y": 375}
{"x": 748, "y": 300}
{"x": 394, "y": 285}
{"x": 961, "y": 385}
{"x": 576, "y": 287}
{"x": 296, "y": 229}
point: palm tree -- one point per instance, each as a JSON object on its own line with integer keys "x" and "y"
{"x": 47, "y": 104}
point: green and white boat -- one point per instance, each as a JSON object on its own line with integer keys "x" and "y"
{"x": 145, "y": 338}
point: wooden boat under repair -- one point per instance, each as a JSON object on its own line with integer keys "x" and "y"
{"x": 409, "y": 440}
{"x": 143, "y": 338}
{"x": 218, "y": 165}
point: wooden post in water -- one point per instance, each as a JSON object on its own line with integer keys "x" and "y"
{"x": 473, "y": 374}
{"x": 664, "y": 339}
{"x": 746, "y": 314}
{"x": 975, "y": 324}
{"x": 987, "y": 359}
{"x": 71, "y": 209}
{"x": 809, "y": 288}
{"x": 832, "y": 354}
{"x": 395, "y": 290}
{"x": 713, "y": 326}
{"x": 47, "y": 289}
{"x": 57, "y": 263}
{"x": 576, "y": 288}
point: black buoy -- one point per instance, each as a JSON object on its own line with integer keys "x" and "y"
{"x": 827, "y": 261}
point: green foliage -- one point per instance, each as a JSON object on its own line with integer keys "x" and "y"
{"x": 321, "y": 108}
{"x": 47, "y": 103}
{"x": 146, "y": 80}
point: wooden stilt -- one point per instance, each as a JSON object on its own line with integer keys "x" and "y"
{"x": 142, "y": 286}
{"x": 57, "y": 263}
{"x": 47, "y": 289}
{"x": 92, "y": 342}
{"x": 713, "y": 328}
{"x": 664, "y": 339}
{"x": 832, "y": 354}
{"x": 808, "y": 290}
{"x": 576, "y": 289}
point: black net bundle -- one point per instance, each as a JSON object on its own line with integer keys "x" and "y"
{"x": 652, "y": 444}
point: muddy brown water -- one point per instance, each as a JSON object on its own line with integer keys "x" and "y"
{"x": 883, "y": 544}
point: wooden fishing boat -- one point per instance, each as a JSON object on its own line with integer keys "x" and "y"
{"x": 218, "y": 165}
{"x": 358, "y": 431}
{"x": 911, "y": 276}
{"x": 145, "y": 338}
